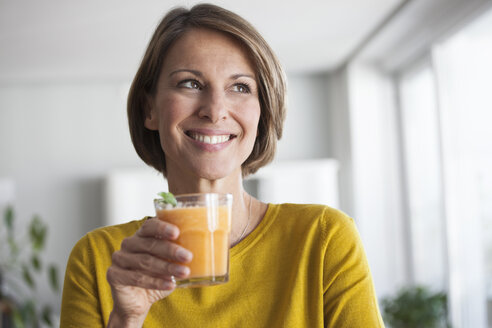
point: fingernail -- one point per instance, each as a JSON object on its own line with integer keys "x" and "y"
{"x": 182, "y": 271}
{"x": 168, "y": 285}
{"x": 170, "y": 231}
{"x": 184, "y": 255}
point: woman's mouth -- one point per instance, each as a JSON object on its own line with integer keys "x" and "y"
{"x": 210, "y": 139}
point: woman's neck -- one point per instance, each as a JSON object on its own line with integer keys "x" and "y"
{"x": 188, "y": 183}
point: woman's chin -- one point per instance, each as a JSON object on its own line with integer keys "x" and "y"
{"x": 213, "y": 175}
{"x": 216, "y": 172}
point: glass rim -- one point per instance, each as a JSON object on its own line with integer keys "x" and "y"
{"x": 196, "y": 197}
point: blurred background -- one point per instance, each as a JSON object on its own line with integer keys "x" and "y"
{"x": 390, "y": 107}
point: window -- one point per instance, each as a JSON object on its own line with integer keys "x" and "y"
{"x": 420, "y": 136}
{"x": 446, "y": 118}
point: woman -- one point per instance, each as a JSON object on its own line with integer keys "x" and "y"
{"x": 206, "y": 108}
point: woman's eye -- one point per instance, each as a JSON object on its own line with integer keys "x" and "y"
{"x": 243, "y": 88}
{"x": 190, "y": 84}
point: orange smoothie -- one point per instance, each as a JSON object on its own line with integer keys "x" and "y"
{"x": 207, "y": 239}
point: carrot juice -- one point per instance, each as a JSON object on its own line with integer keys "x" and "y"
{"x": 204, "y": 222}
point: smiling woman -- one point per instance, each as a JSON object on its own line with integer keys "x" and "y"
{"x": 206, "y": 108}
{"x": 206, "y": 93}
{"x": 267, "y": 75}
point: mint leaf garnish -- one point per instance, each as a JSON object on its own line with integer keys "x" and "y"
{"x": 168, "y": 198}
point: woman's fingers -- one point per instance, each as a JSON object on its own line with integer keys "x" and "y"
{"x": 149, "y": 264}
{"x": 151, "y": 252}
{"x": 155, "y": 237}
{"x": 158, "y": 229}
{"x": 123, "y": 277}
{"x": 154, "y": 230}
{"x": 150, "y": 259}
{"x": 157, "y": 247}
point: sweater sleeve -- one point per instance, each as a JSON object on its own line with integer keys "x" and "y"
{"x": 80, "y": 302}
{"x": 349, "y": 296}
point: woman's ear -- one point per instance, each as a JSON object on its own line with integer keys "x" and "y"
{"x": 150, "y": 121}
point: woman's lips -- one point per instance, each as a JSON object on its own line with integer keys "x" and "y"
{"x": 210, "y": 140}
{"x": 209, "y": 137}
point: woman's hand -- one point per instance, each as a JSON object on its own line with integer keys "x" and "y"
{"x": 142, "y": 271}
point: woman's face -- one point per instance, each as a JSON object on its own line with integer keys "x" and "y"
{"x": 206, "y": 106}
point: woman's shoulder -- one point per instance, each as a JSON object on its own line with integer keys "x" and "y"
{"x": 329, "y": 221}
{"x": 117, "y": 231}
{"x": 325, "y": 213}
{"x": 107, "y": 238}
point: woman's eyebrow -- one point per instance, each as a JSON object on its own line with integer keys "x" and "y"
{"x": 237, "y": 76}
{"x": 199, "y": 74}
{"x": 192, "y": 71}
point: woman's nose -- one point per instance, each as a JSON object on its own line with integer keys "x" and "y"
{"x": 213, "y": 106}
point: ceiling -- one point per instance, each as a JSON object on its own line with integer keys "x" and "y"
{"x": 60, "y": 39}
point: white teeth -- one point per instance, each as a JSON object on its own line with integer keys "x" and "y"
{"x": 210, "y": 139}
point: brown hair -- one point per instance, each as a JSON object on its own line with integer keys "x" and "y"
{"x": 271, "y": 82}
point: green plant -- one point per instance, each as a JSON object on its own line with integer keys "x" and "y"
{"x": 416, "y": 307}
{"x": 168, "y": 198}
{"x": 20, "y": 262}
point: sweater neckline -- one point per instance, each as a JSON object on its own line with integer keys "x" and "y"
{"x": 251, "y": 239}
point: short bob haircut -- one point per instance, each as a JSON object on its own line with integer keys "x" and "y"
{"x": 269, "y": 73}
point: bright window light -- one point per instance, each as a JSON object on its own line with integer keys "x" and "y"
{"x": 464, "y": 75}
{"x": 421, "y": 151}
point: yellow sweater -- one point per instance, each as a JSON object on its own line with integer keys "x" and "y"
{"x": 303, "y": 266}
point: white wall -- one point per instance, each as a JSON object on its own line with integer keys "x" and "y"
{"x": 339, "y": 134}
{"x": 57, "y": 141}
{"x": 306, "y": 130}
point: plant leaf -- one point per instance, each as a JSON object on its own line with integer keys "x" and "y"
{"x": 35, "y": 262}
{"x": 14, "y": 248}
{"x": 46, "y": 316}
{"x": 9, "y": 218}
{"x": 26, "y": 275}
{"x": 28, "y": 313}
{"x": 37, "y": 233}
{"x": 53, "y": 276}
{"x": 17, "y": 319}
{"x": 415, "y": 306}
{"x": 168, "y": 198}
